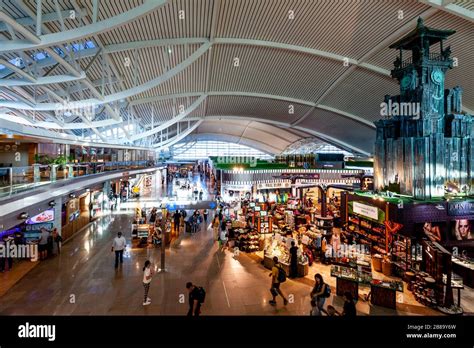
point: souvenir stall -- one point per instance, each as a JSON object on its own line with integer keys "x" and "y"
{"x": 279, "y": 246}
{"x": 140, "y": 230}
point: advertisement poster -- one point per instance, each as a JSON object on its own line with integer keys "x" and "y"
{"x": 462, "y": 229}
{"x": 46, "y": 216}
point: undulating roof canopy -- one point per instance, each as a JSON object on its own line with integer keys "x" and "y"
{"x": 262, "y": 73}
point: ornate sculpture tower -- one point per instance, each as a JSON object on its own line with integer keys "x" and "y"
{"x": 424, "y": 145}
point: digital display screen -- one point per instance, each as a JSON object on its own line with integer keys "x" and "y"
{"x": 263, "y": 213}
{"x": 252, "y": 204}
{"x": 257, "y": 208}
{"x": 45, "y": 216}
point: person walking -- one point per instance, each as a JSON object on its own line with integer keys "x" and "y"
{"x": 153, "y": 214}
{"x": 118, "y": 246}
{"x": 181, "y": 224}
{"x": 215, "y": 226}
{"x": 177, "y": 218}
{"x": 7, "y": 242}
{"x": 223, "y": 239}
{"x": 57, "y": 239}
{"x": 278, "y": 276}
{"x": 349, "y": 309}
{"x": 320, "y": 293}
{"x": 197, "y": 295}
{"x": 293, "y": 260}
{"x": 194, "y": 223}
{"x": 43, "y": 243}
{"x": 147, "y": 275}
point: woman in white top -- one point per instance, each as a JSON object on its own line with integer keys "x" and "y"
{"x": 147, "y": 275}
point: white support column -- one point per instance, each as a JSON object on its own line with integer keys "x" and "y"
{"x": 57, "y": 214}
{"x": 38, "y": 17}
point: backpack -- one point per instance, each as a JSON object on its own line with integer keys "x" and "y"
{"x": 327, "y": 291}
{"x": 201, "y": 294}
{"x": 281, "y": 275}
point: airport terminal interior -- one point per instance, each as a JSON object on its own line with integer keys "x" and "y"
{"x": 237, "y": 157}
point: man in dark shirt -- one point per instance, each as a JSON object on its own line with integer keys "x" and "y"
{"x": 177, "y": 217}
{"x": 349, "y": 309}
{"x": 194, "y": 300}
{"x": 293, "y": 260}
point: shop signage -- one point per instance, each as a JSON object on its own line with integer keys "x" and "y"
{"x": 238, "y": 187}
{"x": 460, "y": 208}
{"x": 272, "y": 185}
{"x": 301, "y": 175}
{"x": 366, "y": 210}
{"x": 38, "y": 227}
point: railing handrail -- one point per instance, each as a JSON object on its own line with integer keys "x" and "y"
{"x": 24, "y": 182}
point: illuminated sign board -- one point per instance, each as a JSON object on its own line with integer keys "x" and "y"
{"x": 460, "y": 208}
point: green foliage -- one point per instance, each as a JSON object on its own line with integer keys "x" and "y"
{"x": 60, "y": 160}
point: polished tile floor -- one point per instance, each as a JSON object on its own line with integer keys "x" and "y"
{"x": 83, "y": 281}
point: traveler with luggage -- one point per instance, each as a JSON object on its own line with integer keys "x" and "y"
{"x": 278, "y": 275}
{"x": 197, "y": 295}
{"x": 320, "y": 292}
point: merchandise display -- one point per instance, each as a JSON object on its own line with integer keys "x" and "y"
{"x": 247, "y": 241}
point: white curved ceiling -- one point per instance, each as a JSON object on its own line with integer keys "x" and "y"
{"x": 241, "y": 69}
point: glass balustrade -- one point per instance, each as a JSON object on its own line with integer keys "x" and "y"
{"x": 17, "y": 179}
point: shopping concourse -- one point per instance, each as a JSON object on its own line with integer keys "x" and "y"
{"x": 239, "y": 160}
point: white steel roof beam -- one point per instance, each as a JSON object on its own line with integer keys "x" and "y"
{"x": 448, "y": 6}
{"x": 75, "y": 34}
{"x": 123, "y": 94}
{"x": 317, "y": 134}
{"x": 18, "y": 71}
{"x": 40, "y": 81}
{"x": 171, "y": 122}
{"x": 353, "y": 117}
{"x": 178, "y": 137}
{"x": 32, "y": 38}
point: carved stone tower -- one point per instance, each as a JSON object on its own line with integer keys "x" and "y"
{"x": 425, "y": 147}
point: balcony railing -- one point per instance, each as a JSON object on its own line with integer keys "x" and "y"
{"x": 436, "y": 57}
{"x": 17, "y": 179}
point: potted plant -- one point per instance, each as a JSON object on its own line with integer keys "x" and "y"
{"x": 61, "y": 162}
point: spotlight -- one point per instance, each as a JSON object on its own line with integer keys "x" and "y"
{"x": 72, "y": 195}
{"x": 52, "y": 203}
{"x": 23, "y": 216}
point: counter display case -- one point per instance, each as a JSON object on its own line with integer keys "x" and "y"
{"x": 465, "y": 269}
{"x": 384, "y": 293}
{"x": 349, "y": 278}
